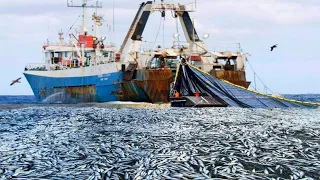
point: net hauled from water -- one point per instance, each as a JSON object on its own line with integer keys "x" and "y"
{"x": 190, "y": 80}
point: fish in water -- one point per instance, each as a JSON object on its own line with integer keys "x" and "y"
{"x": 76, "y": 142}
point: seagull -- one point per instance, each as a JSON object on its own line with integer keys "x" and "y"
{"x": 15, "y": 81}
{"x": 274, "y": 46}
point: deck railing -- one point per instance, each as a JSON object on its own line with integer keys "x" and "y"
{"x": 64, "y": 65}
{"x": 37, "y": 67}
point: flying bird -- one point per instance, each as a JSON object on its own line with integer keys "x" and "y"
{"x": 274, "y": 46}
{"x": 15, "y": 81}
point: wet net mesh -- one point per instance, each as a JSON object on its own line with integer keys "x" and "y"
{"x": 190, "y": 80}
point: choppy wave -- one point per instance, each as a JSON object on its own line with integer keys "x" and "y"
{"x": 304, "y": 97}
{"x": 17, "y": 100}
{"x": 101, "y": 143}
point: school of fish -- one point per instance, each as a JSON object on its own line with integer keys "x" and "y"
{"x": 171, "y": 143}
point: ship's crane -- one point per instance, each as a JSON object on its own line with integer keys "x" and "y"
{"x": 132, "y": 42}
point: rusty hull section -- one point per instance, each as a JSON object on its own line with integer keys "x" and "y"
{"x": 235, "y": 77}
{"x": 83, "y": 90}
{"x": 148, "y": 85}
{"x": 68, "y": 94}
{"x": 156, "y": 84}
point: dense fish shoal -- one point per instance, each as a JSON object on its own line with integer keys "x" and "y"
{"x": 116, "y": 104}
{"x": 53, "y": 142}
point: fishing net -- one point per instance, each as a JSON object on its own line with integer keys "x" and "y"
{"x": 190, "y": 80}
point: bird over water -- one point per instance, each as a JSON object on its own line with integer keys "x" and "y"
{"x": 274, "y": 46}
{"x": 16, "y": 81}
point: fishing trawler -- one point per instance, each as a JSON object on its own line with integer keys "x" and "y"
{"x": 226, "y": 62}
{"x": 88, "y": 69}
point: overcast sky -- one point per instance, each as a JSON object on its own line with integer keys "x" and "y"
{"x": 293, "y": 24}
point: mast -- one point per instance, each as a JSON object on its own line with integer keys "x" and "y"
{"x": 84, "y": 17}
{"x": 84, "y": 6}
{"x": 84, "y": 30}
{"x": 61, "y": 38}
{"x": 113, "y": 16}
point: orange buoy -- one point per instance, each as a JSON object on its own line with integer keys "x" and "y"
{"x": 197, "y": 94}
{"x": 176, "y": 94}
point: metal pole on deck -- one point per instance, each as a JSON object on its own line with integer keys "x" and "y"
{"x": 193, "y": 31}
{"x": 113, "y": 16}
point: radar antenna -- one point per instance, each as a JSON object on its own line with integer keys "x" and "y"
{"x": 84, "y": 5}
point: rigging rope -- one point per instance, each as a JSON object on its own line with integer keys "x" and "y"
{"x": 163, "y": 32}
{"x": 73, "y": 24}
{"x": 177, "y": 28}
{"x": 157, "y": 33}
{"x": 255, "y": 75}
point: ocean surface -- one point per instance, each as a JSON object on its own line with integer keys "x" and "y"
{"x": 94, "y": 141}
{"x": 32, "y": 99}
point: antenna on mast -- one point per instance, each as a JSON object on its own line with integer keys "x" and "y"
{"x": 61, "y": 38}
{"x": 195, "y": 4}
{"x": 113, "y": 16}
{"x": 84, "y": 5}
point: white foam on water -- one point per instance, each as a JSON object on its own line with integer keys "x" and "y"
{"x": 55, "y": 98}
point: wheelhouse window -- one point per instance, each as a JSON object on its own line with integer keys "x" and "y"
{"x": 87, "y": 54}
{"x": 75, "y": 55}
{"x": 55, "y": 57}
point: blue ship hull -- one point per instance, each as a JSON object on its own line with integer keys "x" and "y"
{"x": 99, "y": 88}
